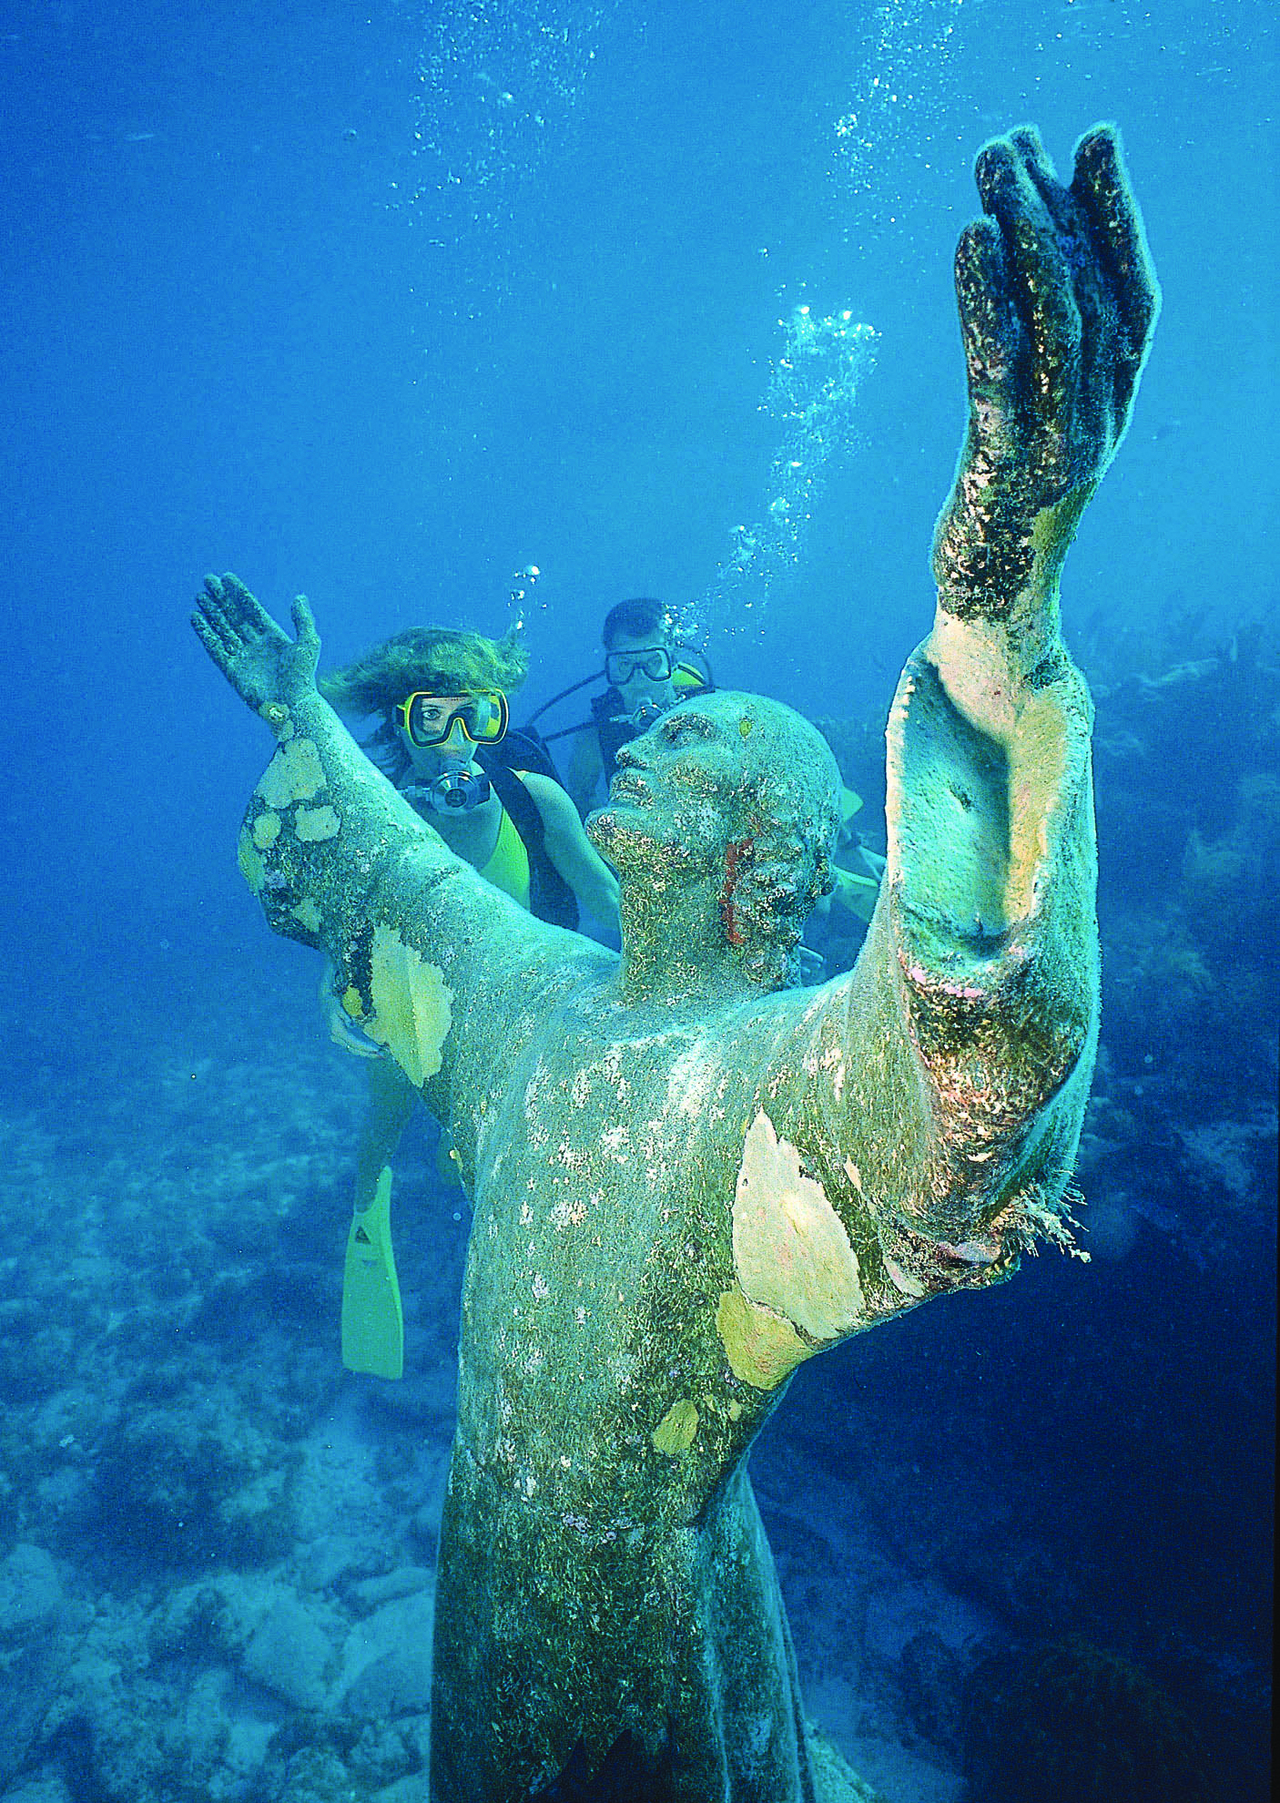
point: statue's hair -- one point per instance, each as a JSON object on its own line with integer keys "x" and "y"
{"x": 445, "y": 659}
{"x": 780, "y": 853}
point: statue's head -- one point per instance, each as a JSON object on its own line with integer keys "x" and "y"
{"x": 739, "y": 797}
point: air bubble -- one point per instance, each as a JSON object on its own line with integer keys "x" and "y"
{"x": 813, "y": 388}
{"x": 493, "y": 76}
{"x": 907, "y": 43}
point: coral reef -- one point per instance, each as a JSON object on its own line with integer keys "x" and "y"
{"x": 1069, "y": 1722}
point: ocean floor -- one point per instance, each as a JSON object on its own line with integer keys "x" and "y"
{"x": 217, "y": 1548}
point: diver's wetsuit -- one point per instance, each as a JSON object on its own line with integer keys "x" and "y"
{"x": 537, "y": 886}
{"x": 614, "y": 728}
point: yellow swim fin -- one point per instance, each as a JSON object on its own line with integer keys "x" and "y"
{"x": 856, "y": 892}
{"x": 372, "y": 1318}
{"x": 850, "y": 803}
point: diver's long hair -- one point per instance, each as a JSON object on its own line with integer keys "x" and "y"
{"x": 439, "y": 658}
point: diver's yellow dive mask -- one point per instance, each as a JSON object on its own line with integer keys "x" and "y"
{"x": 429, "y": 719}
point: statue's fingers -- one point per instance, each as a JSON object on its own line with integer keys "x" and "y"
{"x": 1071, "y": 227}
{"x": 212, "y": 640}
{"x": 213, "y": 610}
{"x": 1040, "y": 276}
{"x": 245, "y": 610}
{"x": 1101, "y": 189}
{"x": 994, "y": 337}
{"x": 1092, "y": 370}
{"x": 214, "y": 603}
{"x": 1037, "y": 166}
{"x": 304, "y": 625}
{"x": 233, "y": 586}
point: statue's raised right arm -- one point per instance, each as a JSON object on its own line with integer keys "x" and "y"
{"x": 966, "y": 1036}
{"x": 340, "y": 861}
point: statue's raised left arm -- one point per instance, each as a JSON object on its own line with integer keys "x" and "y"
{"x": 955, "y": 1061}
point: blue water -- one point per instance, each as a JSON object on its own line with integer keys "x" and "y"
{"x": 387, "y": 303}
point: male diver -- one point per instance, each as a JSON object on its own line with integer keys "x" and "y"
{"x": 440, "y": 701}
{"x": 687, "y": 1178}
{"x": 647, "y": 671}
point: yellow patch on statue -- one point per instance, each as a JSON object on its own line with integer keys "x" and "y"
{"x": 314, "y": 824}
{"x": 1037, "y": 780}
{"x": 252, "y": 869}
{"x": 745, "y": 726}
{"x": 351, "y": 1001}
{"x": 412, "y": 1009}
{"x": 276, "y": 715}
{"x": 294, "y": 774}
{"x": 790, "y": 1250}
{"x": 308, "y": 913}
{"x": 674, "y": 1433}
{"x": 761, "y": 1348}
{"x": 266, "y": 829}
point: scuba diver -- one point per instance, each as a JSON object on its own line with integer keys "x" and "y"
{"x": 445, "y": 740}
{"x": 442, "y": 738}
{"x": 647, "y": 672}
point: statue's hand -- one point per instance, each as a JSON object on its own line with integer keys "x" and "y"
{"x": 269, "y": 670}
{"x": 1058, "y": 300}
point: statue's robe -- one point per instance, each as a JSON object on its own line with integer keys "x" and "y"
{"x": 676, "y": 1202}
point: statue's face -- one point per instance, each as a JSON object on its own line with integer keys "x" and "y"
{"x": 730, "y": 799}
{"x": 680, "y": 787}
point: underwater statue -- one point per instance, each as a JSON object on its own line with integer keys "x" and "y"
{"x": 688, "y": 1177}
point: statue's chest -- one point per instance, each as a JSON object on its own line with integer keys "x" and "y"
{"x": 605, "y": 1184}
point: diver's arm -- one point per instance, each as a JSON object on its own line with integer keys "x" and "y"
{"x": 944, "y": 1080}
{"x": 585, "y": 771}
{"x": 572, "y": 853}
{"x": 424, "y": 949}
